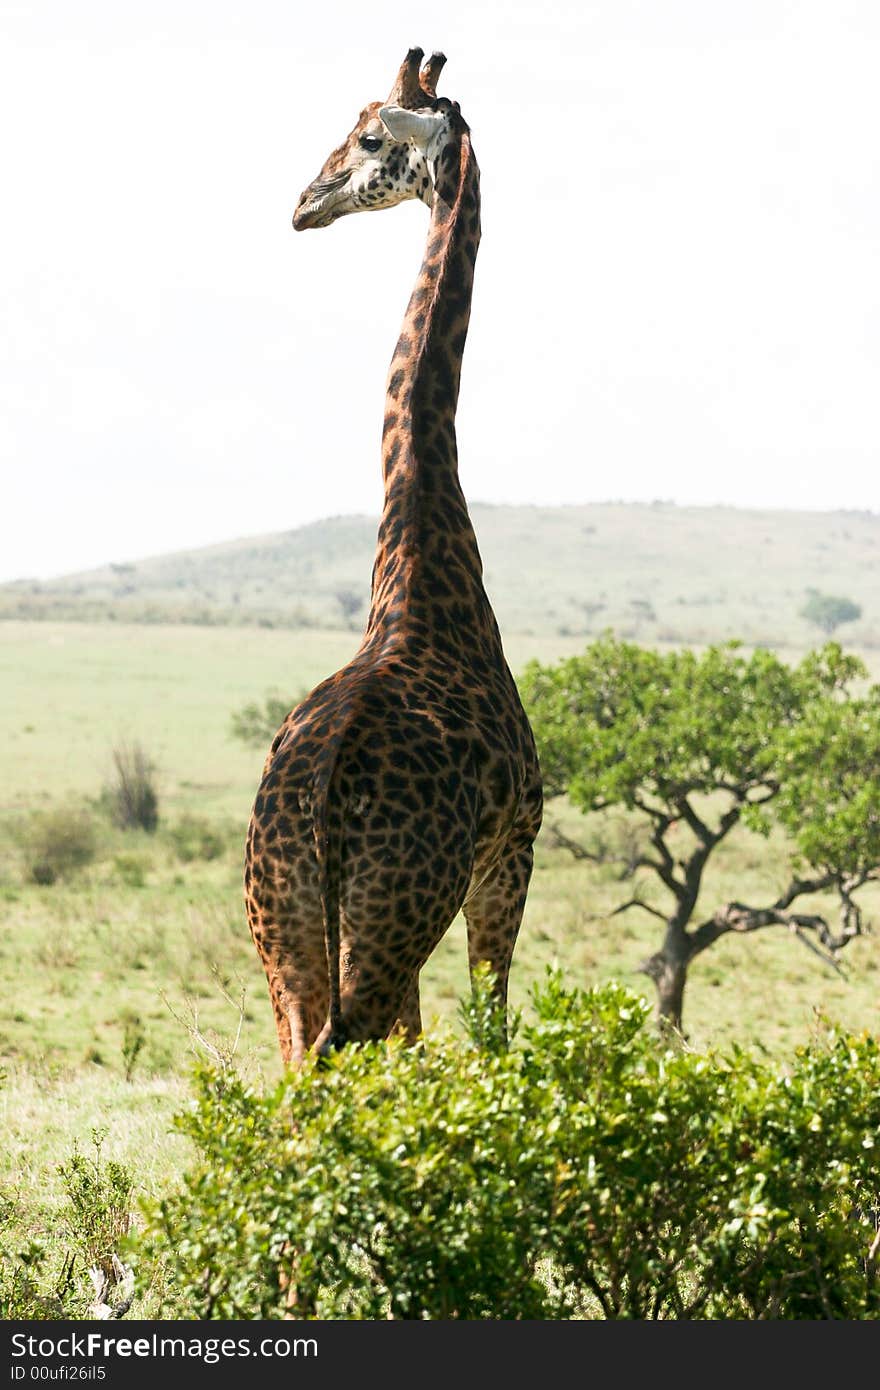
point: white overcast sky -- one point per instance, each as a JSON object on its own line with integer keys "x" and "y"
{"x": 678, "y": 289}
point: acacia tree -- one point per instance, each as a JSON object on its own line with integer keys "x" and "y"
{"x": 699, "y": 744}
{"x": 828, "y": 611}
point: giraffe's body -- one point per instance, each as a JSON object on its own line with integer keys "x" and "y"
{"x": 406, "y": 786}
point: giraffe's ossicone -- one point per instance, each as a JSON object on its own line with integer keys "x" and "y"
{"x": 406, "y": 786}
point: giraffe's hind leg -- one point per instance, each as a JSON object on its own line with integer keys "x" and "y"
{"x": 377, "y": 1008}
{"x": 409, "y": 1021}
{"x": 493, "y": 912}
{"x": 299, "y": 1015}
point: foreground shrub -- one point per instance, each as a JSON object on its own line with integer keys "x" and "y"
{"x": 588, "y": 1171}
{"x": 367, "y": 1189}
{"x": 692, "y": 1186}
{"x": 54, "y": 1279}
{"x": 57, "y": 843}
{"x": 99, "y": 1201}
{"x": 802, "y": 1233}
{"x": 29, "y": 1289}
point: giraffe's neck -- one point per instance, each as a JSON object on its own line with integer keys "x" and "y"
{"x": 427, "y": 577}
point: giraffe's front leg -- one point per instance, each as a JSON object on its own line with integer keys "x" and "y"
{"x": 493, "y": 912}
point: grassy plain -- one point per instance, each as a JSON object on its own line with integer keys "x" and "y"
{"x": 149, "y": 939}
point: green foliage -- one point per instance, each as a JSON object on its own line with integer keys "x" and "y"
{"x": 26, "y": 1290}
{"x": 134, "y": 1038}
{"x": 29, "y": 1288}
{"x": 830, "y": 786}
{"x": 57, "y": 843}
{"x": 699, "y": 743}
{"x": 48, "y": 1281}
{"x": 622, "y": 722}
{"x": 99, "y": 1202}
{"x": 373, "y": 1186}
{"x": 132, "y": 868}
{"x": 801, "y": 1235}
{"x": 196, "y": 837}
{"x": 829, "y": 611}
{"x": 131, "y": 794}
{"x": 587, "y": 1171}
{"x": 257, "y": 724}
{"x": 702, "y": 1187}
{"x": 484, "y": 1020}
{"x": 629, "y": 1145}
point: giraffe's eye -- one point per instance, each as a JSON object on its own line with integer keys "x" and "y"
{"x": 371, "y": 143}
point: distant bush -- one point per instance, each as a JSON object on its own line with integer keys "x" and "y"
{"x": 257, "y": 724}
{"x": 194, "y": 837}
{"x": 351, "y": 601}
{"x": 131, "y": 793}
{"x": 585, "y": 1172}
{"x": 134, "y": 1038}
{"x": 57, "y": 843}
{"x": 828, "y": 612}
{"x": 132, "y": 869}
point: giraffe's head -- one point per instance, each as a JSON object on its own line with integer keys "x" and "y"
{"x": 387, "y": 157}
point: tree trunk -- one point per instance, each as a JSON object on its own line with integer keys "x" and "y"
{"x": 668, "y": 969}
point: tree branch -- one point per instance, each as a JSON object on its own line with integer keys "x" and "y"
{"x": 728, "y": 820}
{"x": 121, "y": 1277}
{"x": 799, "y": 886}
{"x": 708, "y": 837}
{"x": 639, "y": 902}
{"x": 698, "y": 826}
{"x": 765, "y": 790}
{"x": 657, "y": 814}
{"x": 851, "y": 920}
{"x": 740, "y": 917}
{"x": 772, "y": 790}
{"x": 623, "y": 850}
{"x": 665, "y": 867}
{"x": 559, "y": 840}
{"x": 797, "y": 925}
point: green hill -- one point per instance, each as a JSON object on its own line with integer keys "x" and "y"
{"x": 654, "y": 573}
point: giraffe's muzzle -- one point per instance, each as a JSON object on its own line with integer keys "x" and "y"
{"x": 319, "y": 204}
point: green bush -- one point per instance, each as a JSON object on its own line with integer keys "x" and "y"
{"x": 697, "y": 1186}
{"x": 370, "y": 1188}
{"x": 131, "y": 795}
{"x": 257, "y": 724}
{"x": 97, "y": 1214}
{"x": 29, "y": 1289}
{"x": 132, "y": 869}
{"x": 194, "y": 837}
{"x": 134, "y": 1037}
{"x": 57, "y": 843}
{"x": 801, "y": 1235}
{"x": 50, "y": 1280}
{"x": 828, "y": 611}
{"x": 586, "y": 1171}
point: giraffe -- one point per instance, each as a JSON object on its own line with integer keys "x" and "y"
{"x": 405, "y": 787}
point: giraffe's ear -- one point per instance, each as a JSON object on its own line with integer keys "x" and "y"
{"x": 416, "y": 127}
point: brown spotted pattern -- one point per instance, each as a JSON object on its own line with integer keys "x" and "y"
{"x": 405, "y": 787}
